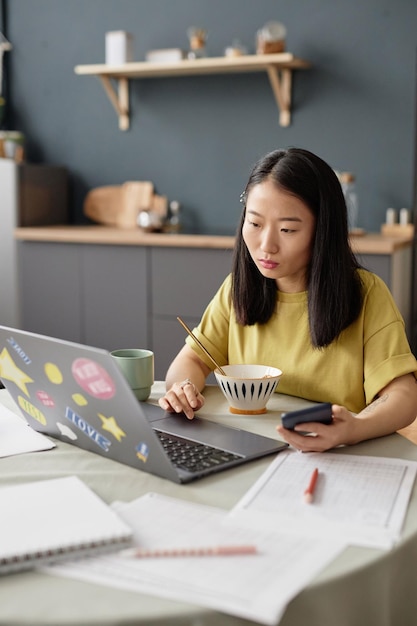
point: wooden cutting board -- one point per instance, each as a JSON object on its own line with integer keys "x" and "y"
{"x": 119, "y": 205}
{"x": 136, "y": 196}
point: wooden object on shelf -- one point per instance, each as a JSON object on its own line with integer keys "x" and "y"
{"x": 278, "y": 66}
{"x": 159, "y": 205}
{"x": 119, "y": 205}
{"x": 100, "y": 204}
{"x": 270, "y": 47}
{"x": 397, "y": 230}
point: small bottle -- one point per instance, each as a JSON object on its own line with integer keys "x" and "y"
{"x": 404, "y": 217}
{"x": 174, "y": 220}
{"x": 391, "y": 216}
{"x": 347, "y": 180}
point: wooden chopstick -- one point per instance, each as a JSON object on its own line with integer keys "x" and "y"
{"x": 198, "y": 342}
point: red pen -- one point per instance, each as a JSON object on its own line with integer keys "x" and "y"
{"x": 309, "y": 492}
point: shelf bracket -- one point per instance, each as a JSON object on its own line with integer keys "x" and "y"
{"x": 281, "y": 83}
{"x": 119, "y": 98}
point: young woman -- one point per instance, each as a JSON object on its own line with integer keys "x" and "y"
{"x": 298, "y": 300}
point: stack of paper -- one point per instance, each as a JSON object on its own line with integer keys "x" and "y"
{"x": 361, "y": 500}
{"x": 256, "y": 586}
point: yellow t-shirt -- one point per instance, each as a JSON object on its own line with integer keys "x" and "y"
{"x": 365, "y": 357}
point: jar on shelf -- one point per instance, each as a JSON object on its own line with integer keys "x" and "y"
{"x": 348, "y": 183}
{"x": 271, "y": 38}
{"x": 197, "y": 38}
{"x": 173, "y": 223}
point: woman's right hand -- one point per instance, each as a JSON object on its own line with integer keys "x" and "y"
{"x": 182, "y": 397}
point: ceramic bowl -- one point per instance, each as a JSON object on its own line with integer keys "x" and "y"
{"x": 248, "y": 388}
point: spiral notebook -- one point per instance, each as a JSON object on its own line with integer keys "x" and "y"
{"x": 47, "y": 521}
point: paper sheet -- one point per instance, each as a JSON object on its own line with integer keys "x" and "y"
{"x": 362, "y": 497}
{"x": 17, "y": 437}
{"x": 256, "y": 587}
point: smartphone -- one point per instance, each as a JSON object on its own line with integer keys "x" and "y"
{"x": 319, "y": 413}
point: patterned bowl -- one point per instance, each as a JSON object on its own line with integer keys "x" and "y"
{"x": 248, "y": 388}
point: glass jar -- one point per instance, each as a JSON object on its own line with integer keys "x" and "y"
{"x": 197, "y": 38}
{"x": 348, "y": 183}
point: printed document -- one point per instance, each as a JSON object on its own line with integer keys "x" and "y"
{"x": 255, "y": 586}
{"x": 363, "y": 498}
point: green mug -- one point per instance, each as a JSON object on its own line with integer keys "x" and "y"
{"x": 137, "y": 366}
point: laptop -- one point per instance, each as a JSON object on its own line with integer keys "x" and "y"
{"x": 77, "y": 394}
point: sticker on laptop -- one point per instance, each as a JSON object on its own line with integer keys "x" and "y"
{"x": 31, "y": 410}
{"x": 53, "y": 373}
{"x": 93, "y": 379}
{"x": 66, "y": 431}
{"x": 87, "y": 429}
{"x": 142, "y": 451}
{"x": 79, "y": 399}
{"x": 110, "y": 424}
{"x": 10, "y": 371}
{"x": 46, "y": 399}
{"x": 22, "y": 354}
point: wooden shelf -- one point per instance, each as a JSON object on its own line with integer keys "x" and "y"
{"x": 279, "y": 68}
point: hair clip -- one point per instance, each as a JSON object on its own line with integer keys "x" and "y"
{"x": 242, "y": 197}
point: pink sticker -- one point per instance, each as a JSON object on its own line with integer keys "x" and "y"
{"x": 93, "y": 379}
{"x": 45, "y": 398}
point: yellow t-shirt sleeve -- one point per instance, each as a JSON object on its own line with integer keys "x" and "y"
{"x": 387, "y": 352}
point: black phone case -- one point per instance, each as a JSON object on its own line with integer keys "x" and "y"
{"x": 320, "y": 413}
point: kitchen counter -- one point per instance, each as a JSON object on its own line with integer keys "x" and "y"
{"x": 373, "y": 243}
{"x": 121, "y": 236}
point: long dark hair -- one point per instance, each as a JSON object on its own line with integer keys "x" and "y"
{"x": 333, "y": 283}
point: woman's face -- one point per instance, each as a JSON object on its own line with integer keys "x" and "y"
{"x": 278, "y": 231}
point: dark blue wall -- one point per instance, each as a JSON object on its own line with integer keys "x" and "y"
{"x": 197, "y": 137}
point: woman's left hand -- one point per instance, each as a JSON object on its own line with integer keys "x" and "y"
{"x": 322, "y": 437}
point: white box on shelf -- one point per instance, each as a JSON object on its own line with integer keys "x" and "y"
{"x": 165, "y": 55}
{"x": 119, "y": 47}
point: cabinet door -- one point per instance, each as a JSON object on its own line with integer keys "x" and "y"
{"x": 395, "y": 271}
{"x": 183, "y": 282}
{"x": 115, "y": 296}
{"x": 49, "y": 289}
{"x": 379, "y": 264}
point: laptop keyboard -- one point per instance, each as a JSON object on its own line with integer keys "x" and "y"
{"x": 192, "y": 456}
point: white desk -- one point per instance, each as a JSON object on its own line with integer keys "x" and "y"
{"x": 361, "y": 587}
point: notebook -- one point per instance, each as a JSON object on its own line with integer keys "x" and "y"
{"x": 47, "y": 521}
{"x": 77, "y": 394}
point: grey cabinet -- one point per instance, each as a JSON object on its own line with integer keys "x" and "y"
{"x": 91, "y": 294}
{"x": 49, "y": 291}
{"x": 112, "y": 296}
{"x": 183, "y": 281}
